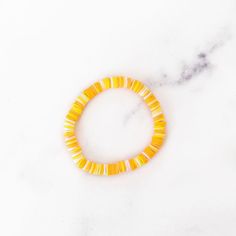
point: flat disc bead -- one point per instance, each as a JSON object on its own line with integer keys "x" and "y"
{"x": 122, "y": 166}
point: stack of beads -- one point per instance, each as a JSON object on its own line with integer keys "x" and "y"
{"x": 124, "y": 165}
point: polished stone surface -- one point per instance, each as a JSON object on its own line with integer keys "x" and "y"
{"x": 185, "y": 51}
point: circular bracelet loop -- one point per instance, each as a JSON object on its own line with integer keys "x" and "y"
{"x": 124, "y": 165}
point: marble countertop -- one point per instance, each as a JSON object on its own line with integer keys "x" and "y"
{"x": 185, "y": 51}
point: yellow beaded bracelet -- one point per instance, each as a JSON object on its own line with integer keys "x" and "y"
{"x": 124, "y": 165}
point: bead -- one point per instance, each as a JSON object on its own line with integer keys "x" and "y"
{"x": 121, "y": 166}
{"x": 133, "y": 164}
{"x": 106, "y": 83}
{"x": 98, "y": 87}
{"x": 129, "y": 83}
{"x": 112, "y": 169}
{"x": 142, "y": 159}
{"x": 81, "y": 162}
{"x": 115, "y": 82}
{"x": 90, "y": 92}
{"x": 149, "y": 151}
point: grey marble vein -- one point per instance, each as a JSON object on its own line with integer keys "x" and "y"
{"x": 189, "y": 71}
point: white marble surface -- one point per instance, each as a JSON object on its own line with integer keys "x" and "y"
{"x": 184, "y": 50}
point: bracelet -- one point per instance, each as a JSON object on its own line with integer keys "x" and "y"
{"x": 79, "y": 105}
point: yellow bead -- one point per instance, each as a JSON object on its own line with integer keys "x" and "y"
{"x": 77, "y": 108}
{"x": 68, "y": 126}
{"x": 150, "y": 98}
{"x": 82, "y": 99}
{"x": 81, "y": 162}
{"x": 159, "y": 129}
{"x": 157, "y": 141}
{"x": 98, "y": 87}
{"x": 87, "y": 166}
{"x": 142, "y": 159}
{"x": 133, "y": 164}
{"x": 77, "y": 157}
{"x": 76, "y": 149}
{"x": 148, "y": 151}
{"x": 71, "y": 143}
{"x": 137, "y": 86}
{"x": 158, "y": 135}
{"x": 155, "y": 106}
{"x": 159, "y": 118}
{"x": 115, "y": 82}
{"x": 72, "y": 116}
{"x": 144, "y": 92}
{"x": 68, "y": 134}
{"x": 129, "y": 82}
{"x": 99, "y": 169}
{"x": 121, "y": 166}
{"x": 121, "y": 81}
{"x": 106, "y": 83}
{"x": 92, "y": 168}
